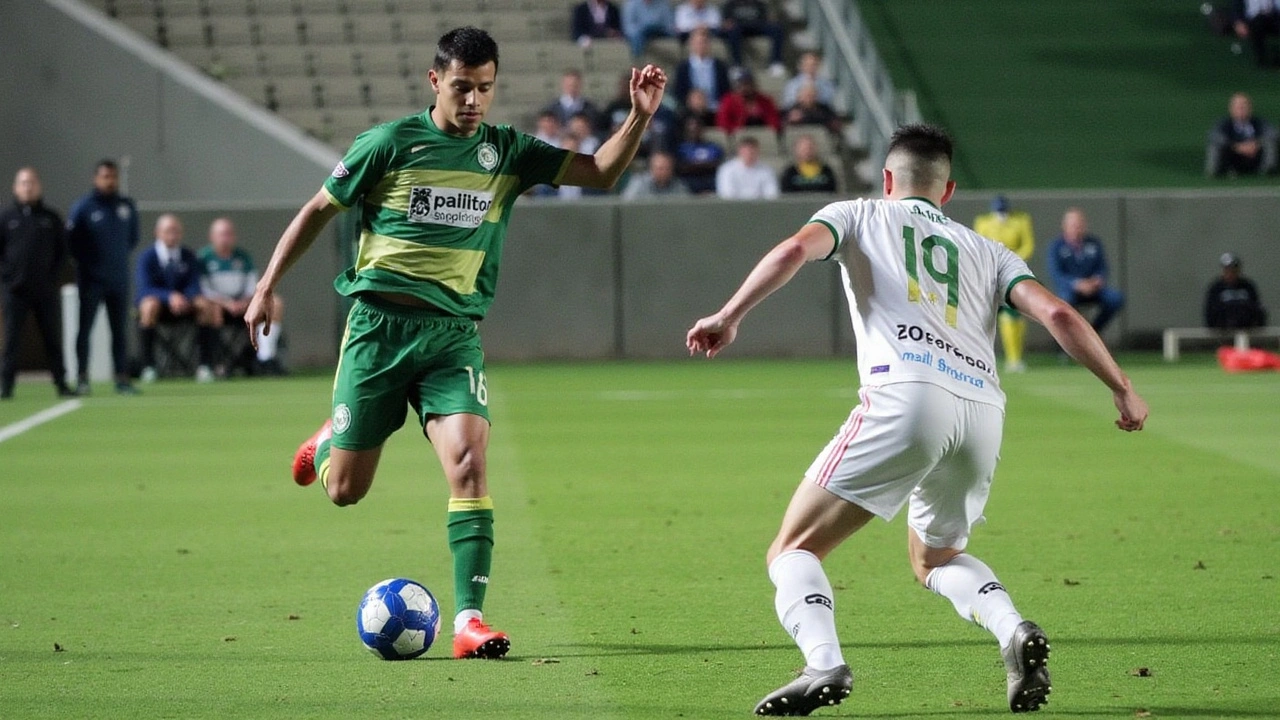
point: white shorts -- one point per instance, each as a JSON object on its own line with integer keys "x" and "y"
{"x": 916, "y": 441}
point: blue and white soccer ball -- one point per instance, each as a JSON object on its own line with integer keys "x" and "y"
{"x": 398, "y": 619}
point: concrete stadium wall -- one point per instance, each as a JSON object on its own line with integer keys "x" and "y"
{"x": 79, "y": 87}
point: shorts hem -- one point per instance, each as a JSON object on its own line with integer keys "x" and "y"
{"x": 849, "y": 497}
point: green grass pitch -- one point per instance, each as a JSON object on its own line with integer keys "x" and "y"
{"x": 156, "y": 561}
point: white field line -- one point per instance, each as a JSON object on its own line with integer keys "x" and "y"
{"x": 13, "y": 430}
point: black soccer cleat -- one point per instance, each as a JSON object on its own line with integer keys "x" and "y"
{"x": 812, "y": 690}
{"x": 1026, "y": 666}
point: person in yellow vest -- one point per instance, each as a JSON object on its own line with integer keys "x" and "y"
{"x": 1011, "y": 228}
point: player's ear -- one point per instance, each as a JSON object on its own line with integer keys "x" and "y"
{"x": 888, "y": 182}
{"x": 951, "y": 190}
{"x": 434, "y": 79}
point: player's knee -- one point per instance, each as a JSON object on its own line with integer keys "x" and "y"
{"x": 467, "y": 473}
{"x": 345, "y": 493}
{"x": 148, "y": 310}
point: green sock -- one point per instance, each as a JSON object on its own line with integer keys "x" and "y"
{"x": 471, "y": 542}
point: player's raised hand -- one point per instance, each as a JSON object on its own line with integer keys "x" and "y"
{"x": 259, "y": 314}
{"x": 647, "y": 85}
{"x": 710, "y": 335}
{"x": 1133, "y": 410}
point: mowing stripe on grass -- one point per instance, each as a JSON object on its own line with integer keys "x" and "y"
{"x": 13, "y": 430}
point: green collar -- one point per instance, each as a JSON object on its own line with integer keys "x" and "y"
{"x": 923, "y": 200}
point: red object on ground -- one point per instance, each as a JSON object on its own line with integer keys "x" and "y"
{"x": 1251, "y": 360}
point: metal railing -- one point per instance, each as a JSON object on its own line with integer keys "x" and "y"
{"x": 860, "y": 75}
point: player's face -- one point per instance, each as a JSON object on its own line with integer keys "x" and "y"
{"x": 463, "y": 95}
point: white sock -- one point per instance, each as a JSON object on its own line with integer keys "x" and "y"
{"x": 806, "y": 607}
{"x": 977, "y": 595}
{"x": 460, "y": 620}
{"x": 267, "y": 343}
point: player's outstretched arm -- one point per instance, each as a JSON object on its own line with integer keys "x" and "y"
{"x": 1081, "y": 342}
{"x": 293, "y": 244}
{"x": 713, "y": 333}
{"x": 603, "y": 169}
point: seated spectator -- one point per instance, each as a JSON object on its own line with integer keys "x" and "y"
{"x": 580, "y": 129}
{"x": 168, "y": 291}
{"x": 1078, "y": 266}
{"x": 1242, "y": 143}
{"x": 808, "y": 173}
{"x": 549, "y": 129}
{"x": 809, "y": 73}
{"x": 1232, "y": 300}
{"x": 571, "y": 102}
{"x": 227, "y": 282}
{"x": 745, "y": 177}
{"x": 745, "y": 106}
{"x": 750, "y": 18}
{"x": 1256, "y": 21}
{"x": 697, "y": 159}
{"x": 663, "y": 130}
{"x": 696, "y": 15}
{"x": 695, "y": 106}
{"x": 643, "y": 20}
{"x": 808, "y": 110}
{"x": 700, "y": 71}
{"x": 595, "y": 20}
{"x": 659, "y": 180}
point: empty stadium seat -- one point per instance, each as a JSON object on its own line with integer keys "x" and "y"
{"x": 371, "y": 28}
{"x": 391, "y": 90}
{"x": 342, "y": 91}
{"x": 272, "y": 7}
{"x": 145, "y": 25}
{"x": 231, "y": 30}
{"x": 319, "y": 29}
{"x": 177, "y": 31}
{"x": 278, "y": 29}
{"x": 181, "y": 8}
{"x": 284, "y": 59}
{"x": 253, "y": 88}
{"x": 388, "y": 59}
{"x": 291, "y": 92}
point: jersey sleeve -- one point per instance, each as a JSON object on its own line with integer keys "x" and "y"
{"x": 1010, "y": 270}
{"x": 842, "y": 219}
{"x": 538, "y": 162}
{"x": 362, "y": 168}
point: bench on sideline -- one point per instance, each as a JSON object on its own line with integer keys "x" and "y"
{"x": 1173, "y": 337}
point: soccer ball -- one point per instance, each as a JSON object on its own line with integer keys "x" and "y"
{"x": 398, "y": 619}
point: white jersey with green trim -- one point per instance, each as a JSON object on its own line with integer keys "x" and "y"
{"x": 923, "y": 294}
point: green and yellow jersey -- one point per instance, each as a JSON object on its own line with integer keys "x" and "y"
{"x": 1013, "y": 230}
{"x": 434, "y": 207}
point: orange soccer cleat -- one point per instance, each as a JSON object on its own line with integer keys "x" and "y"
{"x": 478, "y": 640}
{"x": 304, "y": 461}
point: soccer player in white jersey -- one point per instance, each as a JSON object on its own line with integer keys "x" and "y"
{"x": 923, "y": 292}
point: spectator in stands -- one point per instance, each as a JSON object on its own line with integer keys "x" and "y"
{"x": 658, "y": 180}
{"x": 697, "y": 15}
{"x": 745, "y": 177}
{"x": 571, "y": 102}
{"x": 596, "y": 20}
{"x": 643, "y": 20}
{"x": 807, "y": 172}
{"x": 746, "y": 106}
{"x": 750, "y": 18}
{"x": 664, "y": 127}
{"x": 227, "y": 282}
{"x": 697, "y": 159}
{"x": 549, "y": 129}
{"x": 581, "y": 129}
{"x": 1257, "y": 21}
{"x": 1232, "y": 300}
{"x": 808, "y": 110}
{"x": 1078, "y": 266}
{"x": 32, "y": 256}
{"x": 809, "y": 73}
{"x": 1242, "y": 143}
{"x": 700, "y": 71}
{"x": 102, "y": 230}
{"x": 169, "y": 292}
{"x": 695, "y": 106}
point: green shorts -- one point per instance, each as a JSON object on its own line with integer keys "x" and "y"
{"x": 393, "y": 357}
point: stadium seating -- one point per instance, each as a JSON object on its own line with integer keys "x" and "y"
{"x": 334, "y": 66}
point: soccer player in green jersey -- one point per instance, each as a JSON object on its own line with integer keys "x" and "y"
{"x": 435, "y": 192}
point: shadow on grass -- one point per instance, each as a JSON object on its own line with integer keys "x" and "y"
{"x": 1157, "y": 711}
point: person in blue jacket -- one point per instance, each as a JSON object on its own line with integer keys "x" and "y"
{"x": 168, "y": 279}
{"x": 1078, "y": 265}
{"x": 102, "y": 231}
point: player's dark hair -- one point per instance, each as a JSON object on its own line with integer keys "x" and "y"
{"x": 107, "y": 163}
{"x": 470, "y": 46}
{"x": 925, "y": 142}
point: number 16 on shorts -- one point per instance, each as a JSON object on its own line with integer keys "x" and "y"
{"x": 478, "y": 388}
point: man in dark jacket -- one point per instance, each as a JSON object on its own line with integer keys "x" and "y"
{"x": 102, "y": 232}
{"x": 169, "y": 291}
{"x": 32, "y": 252}
{"x": 596, "y": 19}
{"x": 1242, "y": 143}
{"x": 1232, "y": 300}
